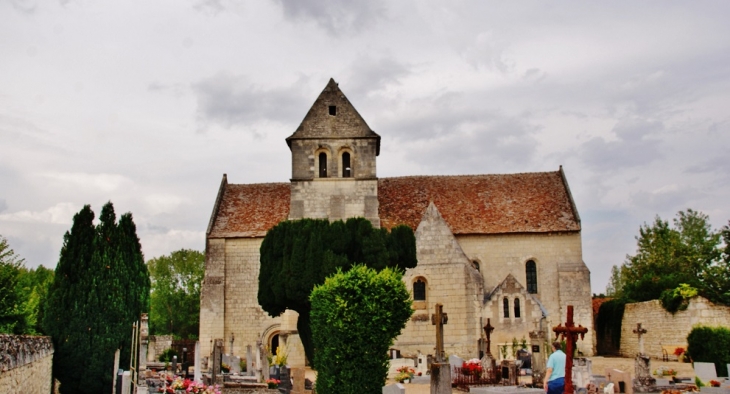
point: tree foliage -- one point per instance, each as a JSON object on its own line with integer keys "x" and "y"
{"x": 667, "y": 257}
{"x": 175, "y": 295}
{"x": 298, "y": 255}
{"x": 22, "y": 293}
{"x": 711, "y": 345}
{"x": 355, "y": 317}
{"x": 101, "y": 286}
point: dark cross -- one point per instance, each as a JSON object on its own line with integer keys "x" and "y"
{"x": 640, "y": 331}
{"x": 488, "y": 330}
{"x": 439, "y": 319}
{"x": 570, "y": 335}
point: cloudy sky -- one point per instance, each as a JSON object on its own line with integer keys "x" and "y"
{"x": 148, "y": 103}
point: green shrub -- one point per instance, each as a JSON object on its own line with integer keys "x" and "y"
{"x": 355, "y": 317}
{"x": 608, "y": 326}
{"x": 710, "y": 345}
{"x": 677, "y": 299}
{"x": 167, "y": 355}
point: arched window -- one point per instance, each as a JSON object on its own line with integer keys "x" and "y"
{"x": 323, "y": 165}
{"x": 531, "y": 271}
{"x": 475, "y": 264}
{"x": 517, "y": 307}
{"x": 505, "y": 306}
{"x": 419, "y": 290}
{"x": 346, "y": 169}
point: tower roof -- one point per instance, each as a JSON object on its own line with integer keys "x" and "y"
{"x": 333, "y": 116}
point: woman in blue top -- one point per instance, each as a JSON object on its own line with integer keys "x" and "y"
{"x": 555, "y": 373}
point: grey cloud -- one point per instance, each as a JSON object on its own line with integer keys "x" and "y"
{"x": 212, "y": 7}
{"x": 370, "y": 74}
{"x": 25, "y": 6}
{"x": 3, "y": 205}
{"x": 634, "y": 146}
{"x": 668, "y": 200}
{"x": 338, "y": 16}
{"x": 232, "y": 100}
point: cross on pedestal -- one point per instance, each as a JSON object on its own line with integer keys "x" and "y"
{"x": 439, "y": 319}
{"x": 488, "y": 330}
{"x": 640, "y": 332}
{"x": 570, "y": 334}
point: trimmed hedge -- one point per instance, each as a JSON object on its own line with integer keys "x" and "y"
{"x": 355, "y": 317}
{"x": 710, "y": 345}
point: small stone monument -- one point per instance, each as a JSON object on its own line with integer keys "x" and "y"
{"x": 538, "y": 338}
{"x": 582, "y": 372}
{"x": 440, "y": 371}
{"x": 216, "y": 358}
{"x": 570, "y": 333}
{"x": 621, "y": 380}
{"x": 644, "y": 382}
{"x": 489, "y": 363}
{"x": 395, "y": 388}
{"x": 198, "y": 374}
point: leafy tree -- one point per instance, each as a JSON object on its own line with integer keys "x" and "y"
{"x": 100, "y": 287}
{"x": 668, "y": 256}
{"x": 175, "y": 296}
{"x": 355, "y": 317}
{"x": 298, "y": 255}
{"x": 33, "y": 285}
{"x": 12, "y": 320}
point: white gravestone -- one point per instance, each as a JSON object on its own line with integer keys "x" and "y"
{"x": 705, "y": 371}
{"x": 456, "y": 362}
{"x": 395, "y": 388}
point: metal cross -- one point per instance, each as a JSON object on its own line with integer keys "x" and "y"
{"x": 570, "y": 334}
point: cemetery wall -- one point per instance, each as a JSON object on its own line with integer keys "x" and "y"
{"x": 664, "y": 328}
{"x": 562, "y": 276}
{"x": 157, "y": 345}
{"x": 26, "y": 364}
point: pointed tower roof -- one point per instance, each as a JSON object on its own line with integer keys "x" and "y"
{"x": 332, "y": 116}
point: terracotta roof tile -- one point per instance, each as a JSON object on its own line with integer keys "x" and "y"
{"x": 251, "y": 210}
{"x": 470, "y": 204}
{"x": 481, "y": 204}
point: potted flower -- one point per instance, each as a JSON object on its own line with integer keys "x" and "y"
{"x": 273, "y": 383}
{"x": 714, "y": 383}
{"x": 472, "y": 367}
{"x": 405, "y": 374}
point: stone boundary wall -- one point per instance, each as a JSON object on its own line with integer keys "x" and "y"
{"x": 26, "y": 364}
{"x": 664, "y": 328}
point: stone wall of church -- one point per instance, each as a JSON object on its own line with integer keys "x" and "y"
{"x": 335, "y": 199}
{"x": 664, "y": 328}
{"x": 558, "y": 257}
{"x": 305, "y": 158}
{"x": 229, "y": 302}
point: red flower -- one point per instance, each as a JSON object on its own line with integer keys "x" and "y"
{"x": 678, "y": 351}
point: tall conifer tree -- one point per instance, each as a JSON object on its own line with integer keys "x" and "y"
{"x": 100, "y": 288}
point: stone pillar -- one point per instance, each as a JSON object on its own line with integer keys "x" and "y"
{"x": 144, "y": 339}
{"x": 198, "y": 374}
{"x": 538, "y": 342}
{"x": 440, "y": 378}
{"x": 216, "y": 356}
{"x": 249, "y": 361}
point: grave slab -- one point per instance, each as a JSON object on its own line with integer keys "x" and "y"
{"x": 505, "y": 390}
{"x": 705, "y": 371}
{"x": 395, "y": 388}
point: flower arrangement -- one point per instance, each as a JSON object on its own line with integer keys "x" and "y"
{"x": 678, "y": 351}
{"x": 177, "y": 385}
{"x": 280, "y": 358}
{"x": 273, "y": 383}
{"x": 714, "y": 383}
{"x": 472, "y": 367}
{"x": 404, "y": 373}
{"x": 664, "y": 371}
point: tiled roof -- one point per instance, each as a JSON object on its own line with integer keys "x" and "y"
{"x": 250, "y": 210}
{"x": 470, "y": 204}
{"x": 481, "y": 204}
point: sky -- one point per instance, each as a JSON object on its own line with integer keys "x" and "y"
{"x": 148, "y": 103}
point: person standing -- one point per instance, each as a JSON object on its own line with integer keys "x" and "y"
{"x": 554, "y": 382}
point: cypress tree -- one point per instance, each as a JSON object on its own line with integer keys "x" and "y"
{"x": 100, "y": 289}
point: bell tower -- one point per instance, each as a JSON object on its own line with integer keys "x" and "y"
{"x": 333, "y": 162}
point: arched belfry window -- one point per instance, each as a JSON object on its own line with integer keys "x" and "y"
{"x": 517, "y": 307}
{"x": 323, "y": 165}
{"x": 419, "y": 290}
{"x": 531, "y": 273}
{"x": 505, "y": 306}
{"x": 346, "y": 168}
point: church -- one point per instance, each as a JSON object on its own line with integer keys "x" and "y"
{"x": 498, "y": 248}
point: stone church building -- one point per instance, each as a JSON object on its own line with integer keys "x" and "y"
{"x": 504, "y": 247}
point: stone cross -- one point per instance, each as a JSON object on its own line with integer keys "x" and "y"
{"x": 570, "y": 334}
{"x": 640, "y": 332}
{"x": 488, "y": 330}
{"x": 439, "y": 319}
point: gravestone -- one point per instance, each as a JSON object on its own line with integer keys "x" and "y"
{"x": 285, "y": 384}
{"x": 395, "y": 388}
{"x": 249, "y": 361}
{"x": 421, "y": 364}
{"x": 509, "y": 372}
{"x": 297, "y": 375}
{"x": 198, "y": 374}
{"x": 440, "y": 371}
{"x": 644, "y": 382}
{"x": 456, "y": 362}
{"x": 538, "y": 339}
{"x": 705, "y": 371}
{"x": 621, "y": 380}
{"x": 582, "y": 372}
{"x": 216, "y": 359}
{"x": 144, "y": 339}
